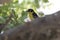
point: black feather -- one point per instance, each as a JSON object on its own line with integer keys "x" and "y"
{"x": 35, "y": 15}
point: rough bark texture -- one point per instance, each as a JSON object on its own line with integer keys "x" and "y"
{"x": 45, "y": 28}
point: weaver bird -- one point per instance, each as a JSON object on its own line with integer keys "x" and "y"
{"x": 31, "y": 14}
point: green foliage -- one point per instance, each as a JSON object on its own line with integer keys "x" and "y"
{"x": 45, "y": 1}
{"x": 18, "y": 14}
{"x": 37, "y": 3}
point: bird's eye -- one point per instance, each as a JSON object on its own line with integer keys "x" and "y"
{"x": 31, "y": 11}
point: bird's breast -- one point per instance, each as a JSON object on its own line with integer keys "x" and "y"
{"x": 30, "y": 16}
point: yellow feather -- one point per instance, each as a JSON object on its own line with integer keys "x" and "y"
{"x": 30, "y": 15}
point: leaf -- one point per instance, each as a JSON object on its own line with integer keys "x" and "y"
{"x": 15, "y": 1}
{"x": 45, "y": 1}
{"x": 37, "y": 3}
{"x": 24, "y": 15}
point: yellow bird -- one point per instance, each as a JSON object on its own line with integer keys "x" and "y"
{"x": 31, "y": 14}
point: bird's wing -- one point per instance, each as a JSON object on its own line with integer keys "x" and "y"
{"x": 35, "y": 15}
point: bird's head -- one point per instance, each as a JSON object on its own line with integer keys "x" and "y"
{"x": 30, "y": 10}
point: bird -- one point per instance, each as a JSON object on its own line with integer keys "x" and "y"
{"x": 32, "y": 14}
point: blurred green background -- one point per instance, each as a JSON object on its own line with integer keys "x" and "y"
{"x": 19, "y": 14}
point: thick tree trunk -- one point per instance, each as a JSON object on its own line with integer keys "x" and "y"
{"x": 45, "y": 28}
